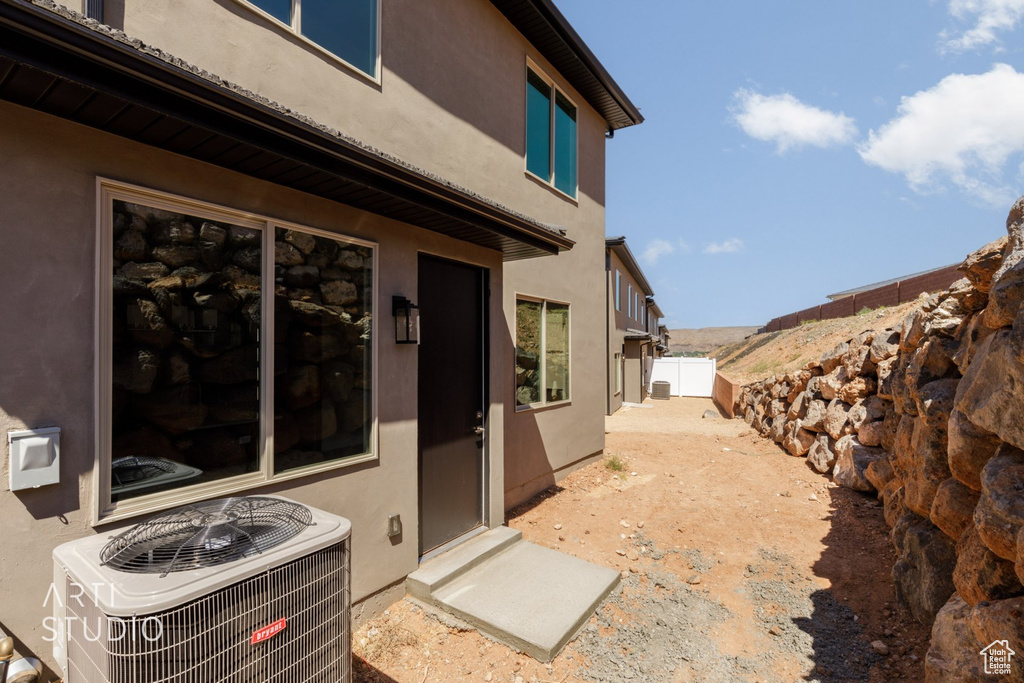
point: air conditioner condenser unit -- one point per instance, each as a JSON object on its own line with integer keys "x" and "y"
{"x": 237, "y": 590}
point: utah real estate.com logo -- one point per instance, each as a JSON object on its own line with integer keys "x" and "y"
{"x": 997, "y": 658}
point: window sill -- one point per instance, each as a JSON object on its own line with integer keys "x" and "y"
{"x": 540, "y": 407}
{"x": 540, "y": 181}
{"x": 166, "y": 500}
{"x": 292, "y": 33}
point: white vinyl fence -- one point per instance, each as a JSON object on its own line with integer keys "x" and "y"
{"x": 688, "y": 376}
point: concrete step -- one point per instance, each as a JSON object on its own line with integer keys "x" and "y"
{"x": 438, "y": 571}
{"x": 528, "y": 597}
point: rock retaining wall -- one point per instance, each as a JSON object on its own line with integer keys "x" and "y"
{"x": 930, "y": 418}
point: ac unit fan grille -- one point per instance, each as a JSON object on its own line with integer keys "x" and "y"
{"x": 206, "y": 534}
{"x": 208, "y": 640}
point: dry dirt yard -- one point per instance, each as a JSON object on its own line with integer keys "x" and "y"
{"x": 739, "y": 563}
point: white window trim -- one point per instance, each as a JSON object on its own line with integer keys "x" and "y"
{"x": 542, "y": 363}
{"x": 550, "y": 182}
{"x": 105, "y": 511}
{"x": 294, "y": 29}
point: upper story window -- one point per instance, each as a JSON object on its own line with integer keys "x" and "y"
{"x": 348, "y": 29}
{"x": 618, "y": 291}
{"x": 551, "y": 147}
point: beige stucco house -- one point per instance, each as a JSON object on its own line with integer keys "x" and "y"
{"x": 215, "y": 215}
{"x": 633, "y": 327}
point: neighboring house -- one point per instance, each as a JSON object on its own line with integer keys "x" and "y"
{"x": 633, "y": 322}
{"x": 663, "y": 347}
{"x": 214, "y": 223}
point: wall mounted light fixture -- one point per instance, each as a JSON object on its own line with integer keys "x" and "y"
{"x": 407, "y": 320}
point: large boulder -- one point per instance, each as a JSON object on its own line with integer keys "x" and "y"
{"x": 837, "y": 422}
{"x": 830, "y": 384}
{"x": 980, "y": 574}
{"x": 1001, "y": 620}
{"x": 992, "y": 390}
{"x": 969, "y": 448}
{"x": 879, "y": 473}
{"x": 834, "y": 358}
{"x": 814, "y": 417}
{"x": 980, "y": 266}
{"x": 870, "y": 433}
{"x": 953, "y": 650}
{"x": 852, "y": 460}
{"x": 935, "y": 401}
{"x": 822, "y": 456}
{"x": 999, "y": 515}
{"x": 798, "y": 440}
{"x": 868, "y": 409}
{"x": 924, "y": 572}
{"x": 1004, "y": 299}
{"x": 929, "y": 468}
{"x": 884, "y": 346}
{"x": 953, "y": 508}
{"x": 856, "y": 389}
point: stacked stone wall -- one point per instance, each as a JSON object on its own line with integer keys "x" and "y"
{"x": 929, "y": 416}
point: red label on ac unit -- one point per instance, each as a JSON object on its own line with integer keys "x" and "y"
{"x": 267, "y": 632}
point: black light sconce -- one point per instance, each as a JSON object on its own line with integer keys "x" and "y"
{"x": 407, "y": 320}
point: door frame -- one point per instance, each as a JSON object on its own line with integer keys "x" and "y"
{"x": 485, "y": 398}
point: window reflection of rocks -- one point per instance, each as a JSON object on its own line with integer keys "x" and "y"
{"x": 556, "y": 352}
{"x": 542, "y": 352}
{"x": 322, "y": 349}
{"x": 186, "y": 332}
{"x": 528, "y": 369}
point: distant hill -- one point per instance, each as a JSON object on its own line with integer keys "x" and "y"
{"x": 706, "y": 339}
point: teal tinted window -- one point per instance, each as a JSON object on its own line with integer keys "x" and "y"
{"x": 279, "y": 9}
{"x": 538, "y": 126}
{"x": 347, "y": 28}
{"x": 565, "y": 146}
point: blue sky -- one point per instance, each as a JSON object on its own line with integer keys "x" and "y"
{"x": 795, "y": 149}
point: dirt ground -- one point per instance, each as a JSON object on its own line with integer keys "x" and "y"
{"x": 739, "y": 563}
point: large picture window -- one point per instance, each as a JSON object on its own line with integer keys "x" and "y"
{"x": 234, "y": 350}
{"x": 551, "y": 137}
{"x": 542, "y": 352}
{"x": 348, "y": 29}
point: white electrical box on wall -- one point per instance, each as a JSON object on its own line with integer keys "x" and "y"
{"x": 35, "y": 458}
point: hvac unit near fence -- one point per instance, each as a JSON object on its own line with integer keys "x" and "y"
{"x": 238, "y": 590}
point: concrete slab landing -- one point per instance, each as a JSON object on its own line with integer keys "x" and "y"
{"x": 531, "y": 598}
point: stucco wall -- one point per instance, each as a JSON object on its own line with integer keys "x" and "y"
{"x": 451, "y": 97}
{"x": 47, "y": 277}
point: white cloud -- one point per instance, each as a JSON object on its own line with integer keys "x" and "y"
{"x": 656, "y": 249}
{"x": 989, "y": 16}
{"x": 727, "y": 247}
{"x": 963, "y": 130}
{"x": 788, "y": 122}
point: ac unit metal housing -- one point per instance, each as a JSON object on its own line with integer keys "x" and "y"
{"x": 283, "y": 615}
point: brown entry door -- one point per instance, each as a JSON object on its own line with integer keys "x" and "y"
{"x": 451, "y": 400}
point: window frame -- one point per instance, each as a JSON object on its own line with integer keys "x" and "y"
{"x": 542, "y": 362}
{"x": 618, "y": 290}
{"x": 294, "y": 28}
{"x": 104, "y": 510}
{"x": 556, "y": 90}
